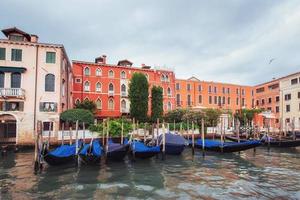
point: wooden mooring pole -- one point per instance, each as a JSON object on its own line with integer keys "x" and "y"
{"x": 37, "y": 145}
{"x": 193, "y": 139}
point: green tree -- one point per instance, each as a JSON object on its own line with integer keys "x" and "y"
{"x": 156, "y": 103}
{"x": 87, "y": 105}
{"x": 138, "y": 96}
{"x": 80, "y": 115}
{"x": 175, "y": 115}
{"x": 212, "y": 117}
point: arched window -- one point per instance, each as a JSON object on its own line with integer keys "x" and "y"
{"x": 169, "y": 92}
{"x": 86, "y": 99}
{"x": 98, "y": 72}
{"x": 98, "y": 87}
{"x": 49, "y": 83}
{"x": 123, "y": 74}
{"x": 77, "y": 101}
{"x": 123, "y": 104}
{"x": 162, "y": 77}
{"x": 111, "y": 87}
{"x": 99, "y": 104}
{"x": 169, "y": 107}
{"x": 87, "y": 71}
{"x": 167, "y": 78}
{"x": 111, "y": 74}
{"x": 178, "y": 100}
{"x": 111, "y": 104}
{"x": 86, "y": 86}
{"x": 123, "y": 88}
{"x": 1, "y": 80}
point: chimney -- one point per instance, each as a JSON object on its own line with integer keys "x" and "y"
{"x": 101, "y": 59}
{"x": 104, "y": 59}
{"x": 34, "y": 38}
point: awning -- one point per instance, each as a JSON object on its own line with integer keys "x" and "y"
{"x": 12, "y": 69}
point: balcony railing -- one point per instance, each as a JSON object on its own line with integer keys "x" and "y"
{"x": 124, "y": 94}
{"x": 125, "y": 110}
{"x": 111, "y": 93}
{"x": 12, "y": 92}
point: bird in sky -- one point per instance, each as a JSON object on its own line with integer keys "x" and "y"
{"x": 271, "y": 60}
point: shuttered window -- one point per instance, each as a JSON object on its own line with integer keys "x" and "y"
{"x": 15, "y": 80}
{"x": 49, "y": 83}
{"x": 1, "y": 80}
{"x": 50, "y": 57}
{"x": 16, "y": 54}
{"x": 2, "y": 53}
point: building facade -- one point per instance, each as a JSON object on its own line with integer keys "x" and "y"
{"x": 35, "y": 85}
{"x": 107, "y": 85}
{"x": 289, "y": 108}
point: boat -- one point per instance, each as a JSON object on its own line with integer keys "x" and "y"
{"x": 234, "y": 138}
{"x": 175, "y": 143}
{"x": 282, "y": 143}
{"x": 227, "y": 147}
{"x": 140, "y": 150}
{"x": 63, "y": 154}
{"x": 91, "y": 153}
{"x": 116, "y": 151}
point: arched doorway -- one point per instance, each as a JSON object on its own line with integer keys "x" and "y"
{"x": 8, "y": 128}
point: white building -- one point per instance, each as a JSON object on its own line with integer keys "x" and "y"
{"x": 290, "y": 104}
{"x": 35, "y": 83}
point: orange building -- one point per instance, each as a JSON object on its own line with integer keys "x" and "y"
{"x": 194, "y": 93}
{"x": 107, "y": 85}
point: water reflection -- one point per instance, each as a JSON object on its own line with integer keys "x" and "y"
{"x": 262, "y": 174}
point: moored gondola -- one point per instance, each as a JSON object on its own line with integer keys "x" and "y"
{"x": 116, "y": 151}
{"x": 64, "y": 154}
{"x": 227, "y": 147}
{"x": 140, "y": 150}
{"x": 284, "y": 143}
{"x": 91, "y": 153}
{"x": 175, "y": 143}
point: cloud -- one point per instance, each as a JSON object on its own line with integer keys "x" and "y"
{"x": 229, "y": 41}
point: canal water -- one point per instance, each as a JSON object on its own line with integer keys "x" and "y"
{"x": 249, "y": 175}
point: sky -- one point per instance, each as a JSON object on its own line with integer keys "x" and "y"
{"x": 229, "y": 41}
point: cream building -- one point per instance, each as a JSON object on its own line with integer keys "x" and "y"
{"x": 35, "y": 83}
{"x": 290, "y": 104}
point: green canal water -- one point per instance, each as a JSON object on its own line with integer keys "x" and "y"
{"x": 248, "y": 175}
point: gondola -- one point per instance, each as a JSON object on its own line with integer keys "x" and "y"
{"x": 116, "y": 151}
{"x": 140, "y": 150}
{"x": 175, "y": 143}
{"x": 91, "y": 153}
{"x": 226, "y": 147}
{"x": 284, "y": 143}
{"x": 63, "y": 154}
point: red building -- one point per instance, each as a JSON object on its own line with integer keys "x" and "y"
{"x": 107, "y": 85}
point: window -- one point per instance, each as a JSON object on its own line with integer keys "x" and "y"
{"x": 1, "y": 80}
{"x": 243, "y": 92}
{"x": 86, "y": 86}
{"x": 169, "y": 92}
{"x": 77, "y": 102}
{"x": 270, "y": 100}
{"x": 16, "y": 54}
{"x": 178, "y": 100}
{"x": 98, "y": 72}
{"x": 2, "y": 53}
{"x": 277, "y": 98}
{"x": 48, "y": 107}
{"x": 288, "y": 108}
{"x": 98, "y": 87}
{"x": 209, "y": 89}
{"x": 287, "y": 97}
{"x": 277, "y": 109}
{"x": 223, "y": 102}
{"x": 294, "y": 81}
{"x": 243, "y": 101}
{"x": 257, "y": 102}
{"x": 11, "y": 106}
{"x": 237, "y": 91}
{"x": 298, "y": 95}
{"x": 262, "y": 102}
{"x": 16, "y": 37}
{"x": 177, "y": 86}
{"x": 200, "y": 98}
{"x": 99, "y": 104}
{"x": 287, "y": 120}
{"x": 189, "y": 100}
{"x": 223, "y": 90}
{"x": 215, "y": 90}
{"x": 123, "y": 104}
{"x": 220, "y": 101}
{"x": 252, "y": 93}
{"x": 210, "y": 100}
{"x": 216, "y": 100}
{"x": 47, "y": 126}
{"x": 78, "y": 80}
{"x": 123, "y": 75}
{"x": 162, "y": 78}
{"x": 259, "y": 90}
{"x": 199, "y": 88}
{"x": 228, "y": 90}
{"x": 50, "y": 57}
{"x": 269, "y": 108}
{"x": 111, "y": 74}
{"x": 111, "y": 104}
{"x": 15, "y": 80}
{"x": 63, "y": 87}
{"x": 188, "y": 87}
{"x": 123, "y": 90}
{"x": 167, "y": 78}
{"x": 228, "y": 100}
{"x": 111, "y": 87}
{"x": 237, "y": 101}
{"x": 169, "y": 106}
{"x": 87, "y": 71}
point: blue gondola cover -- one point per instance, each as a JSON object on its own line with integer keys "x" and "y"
{"x": 141, "y": 147}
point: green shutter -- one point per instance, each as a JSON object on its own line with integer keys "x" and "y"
{"x": 16, "y": 54}
{"x": 2, "y": 53}
{"x": 50, "y": 57}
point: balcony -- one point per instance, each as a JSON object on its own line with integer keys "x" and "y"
{"x": 111, "y": 93}
{"x": 124, "y": 110}
{"x": 124, "y": 94}
{"x": 12, "y": 92}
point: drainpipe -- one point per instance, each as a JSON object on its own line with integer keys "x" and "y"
{"x": 35, "y": 88}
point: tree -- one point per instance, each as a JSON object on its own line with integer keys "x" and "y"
{"x": 212, "y": 117}
{"x": 175, "y": 115}
{"x": 138, "y": 96}
{"x": 156, "y": 103}
{"x": 87, "y": 105}
{"x": 80, "y": 115}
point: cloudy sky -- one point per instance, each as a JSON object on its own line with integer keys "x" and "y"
{"x": 218, "y": 40}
